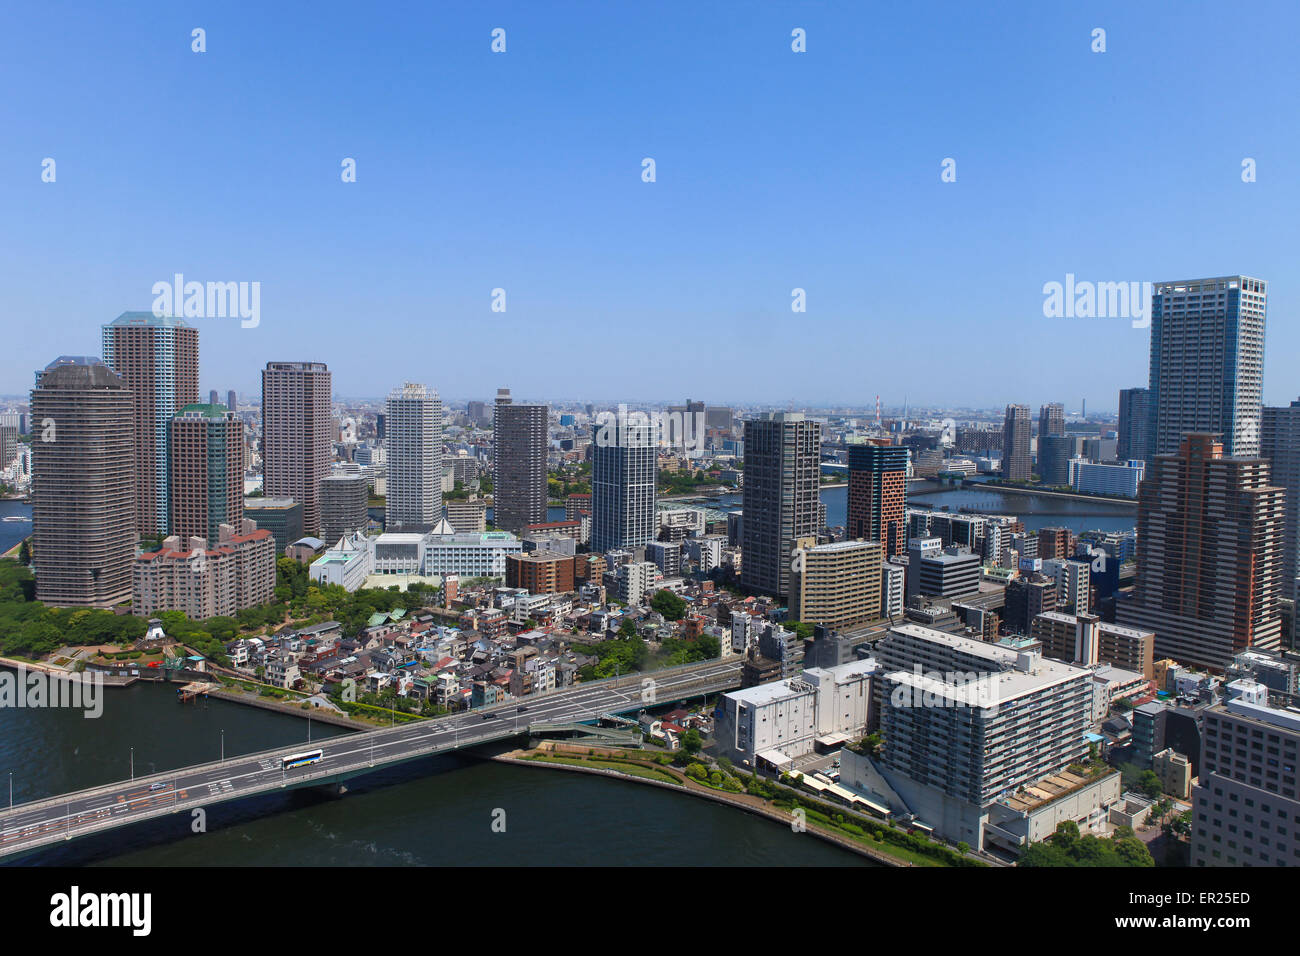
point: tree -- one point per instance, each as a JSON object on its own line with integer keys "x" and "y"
{"x": 802, "y": 630}
{"x": 669, "y": 605}
{"x": 691, "y": 741}
{"x": 1149, "y": 784}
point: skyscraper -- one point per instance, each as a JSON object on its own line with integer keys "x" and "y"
{"x": 296, "y": 447}
{"x": 1051, "y": 420}
{"x": 414, "y": 441}
{"x": 207, "y": 471}
{"x": 877, "y": 498}
{"x": 343, "y": 503}
{"x": 1209, "y": 553}
{"x": 1207, "y": 362}
{"x": 232, "y": 401}
{"x": 518, "y": 463}
{"x": 780, "y": 499}
{"x": 1054, "y": 453}
{"x": 624, "y": 470}
{"x": 158, "y": 360}
{"x": 1134, "y": 442}
{"x": 1017, "y": 464}
{"x": 1280, "y": 444}
{"x": 83, "y": 485}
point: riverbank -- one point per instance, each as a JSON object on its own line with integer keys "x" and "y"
{"x": 837, "y": 826}
{"x": 22, "y": 664}
{"x": 1040, "y": 492}
{"x": 748, "y": 804}
{"x": 292, "y": 710}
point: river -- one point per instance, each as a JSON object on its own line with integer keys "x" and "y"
{"x": 436, "y": 812}
{"x": 1036, "y": 511}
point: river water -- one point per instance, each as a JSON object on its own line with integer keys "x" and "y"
{"x": 438, "y": 811}
{"x": 1036, "y": 511}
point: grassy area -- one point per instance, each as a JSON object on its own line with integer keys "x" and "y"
{"x": 628, "y": 767}
{"x": 858, "y": 835}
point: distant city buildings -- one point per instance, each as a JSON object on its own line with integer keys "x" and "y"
{"x": 1051, "y": 421}
{"x": 1097, "y": 479}
{"x": 1017, "y": 462}
{"x": 1054, "y": 455}
{"x": 1135, "y": 410}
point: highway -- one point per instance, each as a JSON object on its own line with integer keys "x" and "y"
{"x": 29, "y": 826}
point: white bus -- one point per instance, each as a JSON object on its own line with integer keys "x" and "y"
{"x": 302, "y": 759}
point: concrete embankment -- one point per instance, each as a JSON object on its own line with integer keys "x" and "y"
{"x": 293, "y": 710}
{"x": 110, "y": 680}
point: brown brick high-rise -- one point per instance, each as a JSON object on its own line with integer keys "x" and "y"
{"x": 877, "y": 496}
{"x": 1209, "y": 555}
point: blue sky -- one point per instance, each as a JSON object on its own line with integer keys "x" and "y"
{"x": 775, "y": 170}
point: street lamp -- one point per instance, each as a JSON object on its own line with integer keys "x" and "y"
{"x": 132, "y": 763}
{"x": 223, "y": 746}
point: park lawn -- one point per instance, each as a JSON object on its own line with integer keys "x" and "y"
{"x": 632, "y": 769}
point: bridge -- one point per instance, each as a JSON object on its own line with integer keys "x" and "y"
{"x": 49, "y": 821}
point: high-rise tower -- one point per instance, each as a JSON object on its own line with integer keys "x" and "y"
{"x": 158, "y": 360}
{"x": 83, "y": 485}
{"x": 1207, "y": 362}
{"x": 296, "y": 447}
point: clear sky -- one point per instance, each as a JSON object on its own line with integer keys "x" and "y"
{"x": 523, "y": 171}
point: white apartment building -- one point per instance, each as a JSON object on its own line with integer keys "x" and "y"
{"x": 771, "y": 724}
{"x": 637, "y": 582}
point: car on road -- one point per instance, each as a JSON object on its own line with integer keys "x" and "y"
{"x": 520, "y": 709}
{"x": 487, "y": 717}
{"x": 157, "y": 786}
